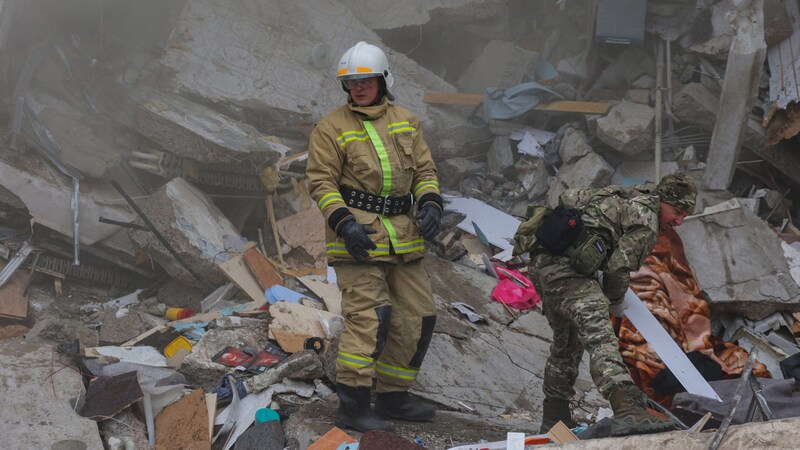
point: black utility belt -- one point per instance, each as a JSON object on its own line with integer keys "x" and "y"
{"x": 387, "y": 205}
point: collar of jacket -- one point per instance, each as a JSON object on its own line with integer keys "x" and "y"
{"x": 371, "y": 112}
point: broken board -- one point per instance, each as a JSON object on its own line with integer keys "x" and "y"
{"x": 262, "y": 269}
{"x": 329, "y": 293}
{"x": 305, "y": 229}
{"x": 237, "y": 271}
{"x": 13, "y": 304}
{"x": 455, "y": 98}
{"x": 331, "y": 440}
{"x": 184, "y": 424}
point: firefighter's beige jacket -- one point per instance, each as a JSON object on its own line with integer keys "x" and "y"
{"x": 376, "y": 149}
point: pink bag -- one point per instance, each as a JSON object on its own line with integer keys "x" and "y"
{"x": 514, "y": 289}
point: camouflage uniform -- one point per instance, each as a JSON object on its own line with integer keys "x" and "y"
{"x": 576, "y": 305}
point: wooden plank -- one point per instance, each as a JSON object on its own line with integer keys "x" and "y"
{"x": 236, "y": 270}
{"x": 332, "y": 440}
{"x": 288, "y": 341}
{"x": 456, "y": 98}
{"x": 262, "y": 269}
{"x": 13, "y": 304}
{"x": 184, "y": 424}
{"x": 452, "y": 98}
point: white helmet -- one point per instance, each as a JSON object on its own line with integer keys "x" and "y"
{"x": 363, "y": 61}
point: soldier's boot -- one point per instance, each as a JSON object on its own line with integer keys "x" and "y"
{"x": 553, "y": 411}
{"x": 401, "y": 405}
{"x": 355, "y": 413}
{"x": 631, "y": 416}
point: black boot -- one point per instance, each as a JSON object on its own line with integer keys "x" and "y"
{"x": 400, "y": 405}
{"x": 355, "y": 413}
{"x": 553, "y": 411}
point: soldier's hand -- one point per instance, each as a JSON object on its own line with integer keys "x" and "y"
{"x": 429, "y": 219}
{"x": 356, "y": 240}
{"x": 618, "y": 308}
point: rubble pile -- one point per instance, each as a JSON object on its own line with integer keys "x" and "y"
{"x": 163, "y": 278}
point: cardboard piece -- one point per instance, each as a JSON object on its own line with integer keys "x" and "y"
{"x": 262, "y": 269}
{"x": 184, "y": 424}
{"x": 561, "y": 433}
{"x": 305, "y": 229}
{"x": 329, "y": 293}
{"x": 211, "y": 406}
{"x": 497, "y": 226}
{"x": 107, "y": 396}
{"x": 332, "y": 440}
{"x": 237, "y": 271}
{"x": 293, "y": 323}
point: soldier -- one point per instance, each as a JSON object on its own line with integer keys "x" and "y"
{"x": 367, "y": 166}
{"x": 620, "y": 228}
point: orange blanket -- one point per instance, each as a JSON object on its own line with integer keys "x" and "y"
{"x": 666, "y": 284}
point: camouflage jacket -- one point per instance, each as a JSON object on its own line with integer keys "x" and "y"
{"x": 627, "y": 220}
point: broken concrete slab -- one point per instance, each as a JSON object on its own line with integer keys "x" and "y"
{"x": 499, "y": 367}
{"x": 739, "y": 90}
{"x": 732, "y": 254}
{"x": 277, "y": 64}
{"x": 194, "y": 227}
{"x": 783, "y": 86}
{"x": 500, "y": 64}
{"x": 198, "y": 367}
{"x": 453, "y": 171}
{"x": 697, "y": 105}
{"x": 86, "y": 140}
{"x": 312, "y": 420}
{"x": 773, "y": 434}
{"x": 37, "y": 411}
{"x": 574, "y": 145}
{"x": 194, "y": 131}
{"x": 628, "y": 127}
{"x": 387, "y": 14}
{"x": 718, "y": 42}
{"x": 590, "y": 171}
{"x": 47, "y": 195}
{"x": 501, "y": 156}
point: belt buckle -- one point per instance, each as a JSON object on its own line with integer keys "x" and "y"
{"x": 386, "y": 205}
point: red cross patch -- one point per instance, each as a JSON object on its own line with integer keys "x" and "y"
{"x": 572, "y": 223}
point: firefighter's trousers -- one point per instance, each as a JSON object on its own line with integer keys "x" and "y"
{"x": 389, "y": 319}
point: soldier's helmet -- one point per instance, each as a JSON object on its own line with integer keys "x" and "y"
{"x": 678, "y": 190}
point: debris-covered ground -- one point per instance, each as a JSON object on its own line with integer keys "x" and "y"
{"x": 162, "y": 267}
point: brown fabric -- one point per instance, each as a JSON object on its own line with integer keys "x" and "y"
{"x": 666, "y": 284}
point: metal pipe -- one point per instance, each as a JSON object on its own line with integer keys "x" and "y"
{"x": 659, "y": 81}
{"x": 76, "y": 223}
{"x": 135, "y": 226}
{"x": 737, "y": 398}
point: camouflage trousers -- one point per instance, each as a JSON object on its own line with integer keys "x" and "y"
{"x": 577, "y": 311}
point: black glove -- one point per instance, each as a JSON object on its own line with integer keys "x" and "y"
{"x": 429, "y": 219}
{"x": 356, "y": 240}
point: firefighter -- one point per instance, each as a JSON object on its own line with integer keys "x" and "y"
{"x": 620, "y": 228}
{"x": 372, "y": 176}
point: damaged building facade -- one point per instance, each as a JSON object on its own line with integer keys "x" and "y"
{"x": 155, "y": 217}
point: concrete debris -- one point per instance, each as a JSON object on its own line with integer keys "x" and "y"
{"x": 202, "y": 111}
{"x": 197, "y": 229}
{"x": 628, "y": 127}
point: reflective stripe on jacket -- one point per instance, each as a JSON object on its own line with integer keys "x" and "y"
{"x": 375, "y": 149}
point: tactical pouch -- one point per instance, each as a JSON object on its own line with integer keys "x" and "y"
{"x": 588, "y": 256}
{"x": 560, "y": 229}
